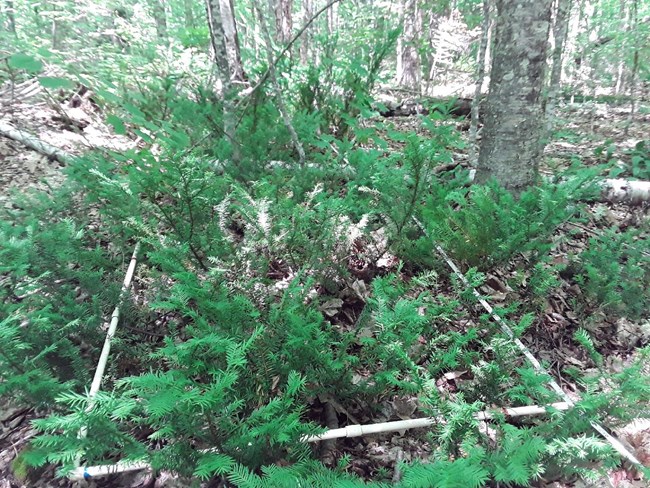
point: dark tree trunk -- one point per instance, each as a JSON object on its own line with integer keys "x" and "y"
{"x": 307, "y": 12}
{"x": 283, "y": 20}
{"x": 188, "y": 10}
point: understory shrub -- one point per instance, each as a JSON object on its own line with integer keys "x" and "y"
{"x": 261, "y": 288}
{"x": 486, "y": 226}
{"x": 614, "y": 273}
{"x": 56, "y": 288}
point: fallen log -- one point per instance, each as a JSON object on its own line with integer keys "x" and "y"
{"x": 620, "y": 190}
{"x": 457, "y": 107}
{"x": 32, "y": 142}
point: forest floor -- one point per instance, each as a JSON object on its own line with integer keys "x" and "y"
{"x": 586, "y": 131}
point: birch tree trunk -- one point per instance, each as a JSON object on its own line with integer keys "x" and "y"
{"x": 408, "y": 59}
{"x": 560, "y": 29}
{"x": 233, "y": 53}
{"x": 512, "y": 135}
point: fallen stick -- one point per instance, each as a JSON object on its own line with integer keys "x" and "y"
{"x": 34, "y": 143}
{"x": 349, "y": 431}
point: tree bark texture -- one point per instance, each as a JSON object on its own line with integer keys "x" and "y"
{"x": 480, "y": 75}
{"x": 283, "y": 20}
{"x": 408, "y": 59}
{"x": 333, "y": 18}
{"x": 233, "y": 53}
{"x": 560, "y": 29}
{"x": 512, "y": 134}
{"x": 217, "y": 39}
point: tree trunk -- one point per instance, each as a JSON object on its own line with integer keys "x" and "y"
{"x": 480, "y": 75}
{"x": 160, "y": 17}
{"x": 618, "y": 88}
{"x": 569, "y": 70}
{"x": 277, "y": 90}
{"x": 333, "y": 18}
{"x": 188, "y": 10}
{"x": 560, "y": 29}
{"x": 56, "y": 35}
{"x": 512, "y": 135}
{"x": 217, "y": 38}
{"x": 11, "y": 16}
{"x": 282, "y": 10}
{"x": 307, "y": 12}
{"x": 408, "y": 59}
{"x": 235, "y": 65}
{"x": 634, "y": 21}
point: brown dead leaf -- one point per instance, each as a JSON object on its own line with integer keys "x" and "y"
{"x": 331, "y": 307}
{"x": 360, "y": 290}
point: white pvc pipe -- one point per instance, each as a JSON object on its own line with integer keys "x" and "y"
{"x": 368, "y": 429}
{"x": 85, "y": 473}
{"x": 555, "y": 386}
{"x": 349, "y": 431}
{"x": 103, "y": 358}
